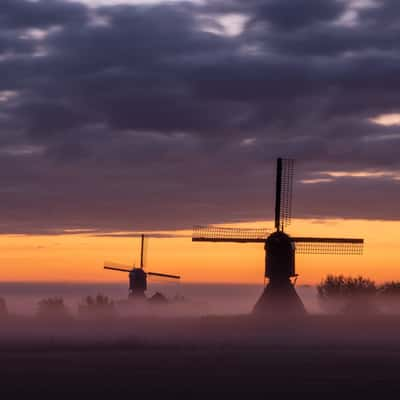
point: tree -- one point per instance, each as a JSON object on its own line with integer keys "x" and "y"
{"x": 347, "y": 294}
{"x": 99, "y": 305}
{"x": 389, "y": 296}
{"x": 52, "y": 307}
{"x": 390, "y": 289}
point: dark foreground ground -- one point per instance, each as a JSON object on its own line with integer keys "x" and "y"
{"x": 315, "y": 357}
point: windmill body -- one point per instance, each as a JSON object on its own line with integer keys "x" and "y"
{"x": 279, "y": 257}
{"x": 279, "y": 295}
{"x": 138, "y": 277}
{"x": 137, "y": 282}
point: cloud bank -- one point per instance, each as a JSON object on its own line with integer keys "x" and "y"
{"x": 125, "y": 117}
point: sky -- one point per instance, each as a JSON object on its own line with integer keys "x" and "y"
{"x": 130, "y": 116}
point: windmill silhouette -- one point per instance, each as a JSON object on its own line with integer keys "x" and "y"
{"x": 137, "y": 276}
{"x": 279, "y": 294}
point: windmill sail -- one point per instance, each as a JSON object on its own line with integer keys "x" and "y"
{"x": 164, "y": 275}
{"x": 304, "y": 245}
{"x": 221, "y": 234}
{"x": 335, "y": 246}
{"x": 287, "y": 191}
{"x": 284, "y": 192}
{"x": 117, "y": 269}
{"x": 112, "y": 264}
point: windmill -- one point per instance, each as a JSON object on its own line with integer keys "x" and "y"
{"x": 280, "y": 248}
{"x": 137, "y": 276}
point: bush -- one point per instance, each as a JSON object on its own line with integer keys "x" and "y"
{"x": 389, "y": 297}
{"x": 3, "y": 307}
{"x": 99, "y": 305}
{"x": 341, "y": 286}
{"x": 347, "y": 294}
{"x": 52, "y": 307}
{"x": 389, "y": 289}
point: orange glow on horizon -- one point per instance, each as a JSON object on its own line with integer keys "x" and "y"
{"x": 80, "y": 258}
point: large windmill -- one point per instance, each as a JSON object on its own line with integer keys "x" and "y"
{"x": 137, "y": 276}
{"x": 280, "y": 248}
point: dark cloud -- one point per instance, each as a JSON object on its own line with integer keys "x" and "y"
{"x": 296, "y": 14}
{"x": 143, "y": 117}
{"x": 40, "y": 14}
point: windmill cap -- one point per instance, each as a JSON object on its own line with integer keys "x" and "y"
{"x": 279, "y": 236}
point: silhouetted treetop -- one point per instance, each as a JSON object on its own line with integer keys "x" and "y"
{"x": 340, "y": 286}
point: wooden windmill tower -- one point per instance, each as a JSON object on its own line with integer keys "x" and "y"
{"x": 280, "y": 248}
{"x": 137, "y": 276}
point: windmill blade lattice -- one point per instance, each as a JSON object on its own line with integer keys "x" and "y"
{"x": 333, "y": 246}
{"x": 286, "y": 191}
{"x": 222, "y": 234}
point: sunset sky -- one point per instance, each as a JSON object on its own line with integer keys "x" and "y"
{"x": 121, "y": 117}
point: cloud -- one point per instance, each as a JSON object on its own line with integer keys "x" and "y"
{"x": 296, "y": 14}
{"x": 41, "y": 14}
{"x": 130, "y": 117}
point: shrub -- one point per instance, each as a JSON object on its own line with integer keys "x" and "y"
{"x": 389, "y": 289}
{"x": 99, "y": 305}
{"x": 52, "y": 307}
{"x": 347, "y": 294}
{"x": 339, "y": 286}
{"x": 389, "y": 297}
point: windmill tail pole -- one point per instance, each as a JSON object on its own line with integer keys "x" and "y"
{"x": 278, "y": 193}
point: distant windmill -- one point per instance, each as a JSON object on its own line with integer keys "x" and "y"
{"x": 137, "y": 276}
{"x": 280, "y": 248}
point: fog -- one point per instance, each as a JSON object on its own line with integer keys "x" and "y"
{"x": 210, "y": 315}
{"x": 200, "y": 299}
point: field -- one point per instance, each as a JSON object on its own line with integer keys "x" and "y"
{"x": 209, "y": 357}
